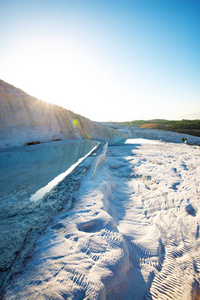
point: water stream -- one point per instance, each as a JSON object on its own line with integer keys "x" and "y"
{"x": 26, "y": 175}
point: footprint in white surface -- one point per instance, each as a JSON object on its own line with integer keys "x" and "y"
{"x": 68, "y": 236}
{"x": 190, "y": 210}
{"x": 175, "y": 186}
{"x": 91, "y": 226}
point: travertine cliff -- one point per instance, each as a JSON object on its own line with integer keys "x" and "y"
{"x": 25, "y": 119}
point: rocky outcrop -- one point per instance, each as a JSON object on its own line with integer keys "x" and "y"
{"x": 27, "y": 120}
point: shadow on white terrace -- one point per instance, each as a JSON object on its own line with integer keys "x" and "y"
{"x": 27, "y": 175}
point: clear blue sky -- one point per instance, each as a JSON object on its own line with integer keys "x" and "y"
{"x": 106, "y": 59}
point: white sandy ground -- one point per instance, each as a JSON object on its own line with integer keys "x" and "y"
{"x": 131, "y": 234}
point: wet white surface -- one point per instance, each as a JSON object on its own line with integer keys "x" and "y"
{"x": 141, "y": 141}
{"x": 27, "y": 175}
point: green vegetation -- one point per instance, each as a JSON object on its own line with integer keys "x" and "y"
{"x": 191, "y": 127}
{"x": 183, "y": 124}
{"x": 186, "y": 124}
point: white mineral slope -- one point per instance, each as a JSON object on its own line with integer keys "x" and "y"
{"x": 133, "y": 233}
{"x": 155, "y": 134}
{"x": 165, "y": 136}
{"x": 25, "y": 119}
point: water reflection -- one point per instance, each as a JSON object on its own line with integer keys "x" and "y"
{"x": 142, "y": 141}
{"x": 24, "y": 172}
{"x": 47, "y": 188}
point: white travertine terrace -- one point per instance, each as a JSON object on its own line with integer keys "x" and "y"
{"x": 25, "y": 119}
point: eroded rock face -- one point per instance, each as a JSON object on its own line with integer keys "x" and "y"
{"x": 25, "y": 119}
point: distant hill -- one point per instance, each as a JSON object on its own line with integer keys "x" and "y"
{"x": 191, "y": 127}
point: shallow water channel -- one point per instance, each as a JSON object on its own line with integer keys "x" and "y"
{"x": 26, "y": 175}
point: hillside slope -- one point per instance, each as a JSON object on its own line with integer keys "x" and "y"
{"x": 25, "y": 119}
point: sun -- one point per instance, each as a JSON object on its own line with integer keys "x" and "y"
{"x": 61, "y": 73}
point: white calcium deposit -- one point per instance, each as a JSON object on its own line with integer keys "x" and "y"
{"x": 25, "y": 119}
{"x": 133, "y": 232}
{"x": 155, "y": 134}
